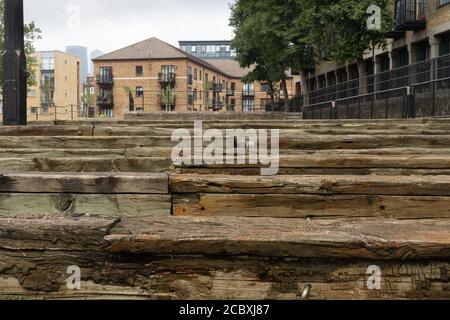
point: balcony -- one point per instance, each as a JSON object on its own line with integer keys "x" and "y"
{"x": 230, "y": 92}
{"x": 217, "y": 87}
{"x": 164, "y": 100}
{"x": 248, "y": 93}
{"x": 105, "y": 102}
{"x": 410, "y": 15}
{"x": 395, "y": 34}
{"x": 104, "y": 80}
{"x": 167, "y": 78}
{"x": 47, "y": 85}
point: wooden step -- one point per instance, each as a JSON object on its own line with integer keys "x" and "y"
{"x": 286, "y": 142}
{"x": 86, "y": 164}
{"x": 96, "y": 194}
{"x": 53, "y": 245}
{"x": 107, "y": 183}
{"x": 318, "y": 185}
{"x": 297, "y": 238}
{"x": 417, "y": 197}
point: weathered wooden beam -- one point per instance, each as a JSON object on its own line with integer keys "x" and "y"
{"x": 319, "y": 185}
{"x": 97, "y": 183}
{"x": 86, "y": 164}
{"x": 266, "y": 237}
{"x": 310, "y": 206}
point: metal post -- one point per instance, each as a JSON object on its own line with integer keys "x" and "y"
{"x": 14, "y": 66}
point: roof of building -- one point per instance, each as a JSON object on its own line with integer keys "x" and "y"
{"x": 231, "y": 67}
{"x": 153, "y": 48}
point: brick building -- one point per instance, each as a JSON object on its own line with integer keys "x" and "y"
{"x": 153, "y": 76}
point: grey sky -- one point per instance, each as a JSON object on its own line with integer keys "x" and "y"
{"x": 112, "y": 24}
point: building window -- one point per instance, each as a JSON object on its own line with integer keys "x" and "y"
{"x": 248, "y": 105}
{"x": 195, "y": 74}
{"x": 443, "y": 2}
{"x": 248, "y": 89}
{"x": 33, "y": 110}
{"x": 44, "y": 109}
{"x": 195, "y": 95}
{"x": 166, "y": 70}
{"x": 92, "y": 90}
{"x": 139, "y": 71}
{"x": 265, "y": 87}
{"x": 194, "y": 49}
{"x": 48, "y": 64}
{"x": 139, "y": 92}
{"x": 200, "y": 74}
{"x": 445, "y": 46}
{"x": 32, "y": 93}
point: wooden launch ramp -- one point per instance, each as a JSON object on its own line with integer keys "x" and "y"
{"x": 105, "y": 196}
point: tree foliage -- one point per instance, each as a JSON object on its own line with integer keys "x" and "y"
{"x": 276, "y": 35}
{"x": 32, "y": 33}
{"x": 265, "y": 37}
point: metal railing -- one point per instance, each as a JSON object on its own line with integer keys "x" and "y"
{"x": 374, "y": 86}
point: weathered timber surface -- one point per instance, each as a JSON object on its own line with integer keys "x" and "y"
{"x": 47, "y": 130}
{"x": 312, "y": 142}
{"x": 36, "y": 254}
{"x": 268, "y": 237}
{"x": 310, "y": 206}
{"x": 62, "y": 153}
{"x": 42, "y": 275}
{"x": 351, "y": 161}
{"x": 85, "y": 164}
{"x": 99, "y": 205}
{"x": 321, "y": 185}
{"x": 33, "y": 182}
{"x": 57, "y": 233}
{"x": 256, "y": 171}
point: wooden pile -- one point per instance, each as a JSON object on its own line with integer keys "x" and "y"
{"x": 105, "y": 196}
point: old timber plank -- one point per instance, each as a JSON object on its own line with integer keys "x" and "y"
{"x": 310, "y": 206}
{"x": 321, "y": 185}
{"x": 86, "y": 164}
{"x": 57, "y": 233}
{"x": 100, "y": 205}
{"x": 33, "y": 182}
{"x": 268, "y": 237}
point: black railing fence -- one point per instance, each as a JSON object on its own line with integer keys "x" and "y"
{"x": 419, "y": 90}
{"x": 52, "y": 112}
{"x": 148, "y": 101}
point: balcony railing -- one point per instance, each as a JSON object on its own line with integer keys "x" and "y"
{"x": 164, "y": 100}
{"x": 248, "y": 92}
{"x": 48, "y": 85}
{"x": 410, "y": 15}
{"x": 104, "y": 80}
{"x": 217, "y": 87}
{"x": 230, "y": 92}
{"x": 167, "y": 78}
{"x": 105, "y": 102}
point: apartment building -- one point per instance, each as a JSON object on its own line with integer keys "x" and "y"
{"x": 417, "y": 51}
{"x": 57, "y": 86}
{"x": 153, "y": 76}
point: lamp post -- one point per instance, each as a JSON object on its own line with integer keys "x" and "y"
{"x": 14, "y": 66}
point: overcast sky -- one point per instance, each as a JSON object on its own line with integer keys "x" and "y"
{"x": 112, "y": 24}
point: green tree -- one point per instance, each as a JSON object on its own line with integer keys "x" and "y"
{"x": 32, "y": 33}
{"x": 265, "y": 37}
{"x": 341, "y": 31}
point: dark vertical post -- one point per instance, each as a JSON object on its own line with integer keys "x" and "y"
{"x": 14, "y": 66}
